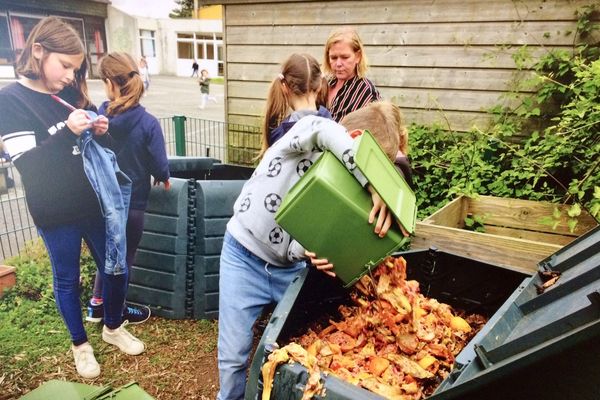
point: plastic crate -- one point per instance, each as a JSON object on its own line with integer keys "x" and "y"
{"x": 463, "y": 283}
{"x": 327, "y": 210}
{"x": 176, "y": 270}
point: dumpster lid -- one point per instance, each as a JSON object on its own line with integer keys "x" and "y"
{"x": 185, "y": 164}
{"x": 535, "y": 322}
{"x": 386, "y": 180}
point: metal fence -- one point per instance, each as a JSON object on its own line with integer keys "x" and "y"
{"x": 230, "y": 143}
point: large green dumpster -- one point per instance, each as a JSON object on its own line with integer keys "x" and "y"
{"x": 176, "y": 270}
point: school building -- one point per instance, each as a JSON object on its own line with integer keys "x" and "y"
{"x": 169, "y": 45}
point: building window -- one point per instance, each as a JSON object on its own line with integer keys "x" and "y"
{"x": 201, "y": 46}
{"x": 147, "y": 43}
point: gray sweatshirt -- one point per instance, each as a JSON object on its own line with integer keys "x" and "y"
{"x": 253, "y": 222}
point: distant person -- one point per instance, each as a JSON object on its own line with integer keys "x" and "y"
{"x": 204, "y": 82}
{"x": 345, "y": 64}
{"x": 259, "y": 260}
{"x": 141, "y": 154}
{"x": 46, "y": 124}
{"x": 144, "y": 74}
{"x": 195, "y": 69}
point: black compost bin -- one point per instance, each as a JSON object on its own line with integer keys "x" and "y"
{"x": 176, "y": 270}
{"x": 534, "y": 346}
{"x": 473, "y": 286}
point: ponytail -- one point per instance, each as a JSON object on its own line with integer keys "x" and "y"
{"x": 122, "y": 71}
{"x": 275, "y": 111}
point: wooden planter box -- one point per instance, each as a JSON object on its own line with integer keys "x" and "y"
{"x": 514, "y": 236}
{"x": 8, "y": 278}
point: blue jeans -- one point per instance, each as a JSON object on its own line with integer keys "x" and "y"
{"x": 246, "y": 285}
{"x": 64, "y": 248}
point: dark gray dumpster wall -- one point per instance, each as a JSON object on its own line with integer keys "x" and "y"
{"x": 176, "y": 270}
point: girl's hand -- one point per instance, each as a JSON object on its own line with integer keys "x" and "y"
{"x": 100, "y": 125}
{"x": 384, "y": 216}
{"x": 167, "y": 184}
{"x": 322, "y": 264}
{"x": 78, "y": 122}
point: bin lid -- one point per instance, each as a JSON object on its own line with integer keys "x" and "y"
{"x": 187, "y": 164}
{"x": 386, "y": 180}
{"x": 536, "y": 322}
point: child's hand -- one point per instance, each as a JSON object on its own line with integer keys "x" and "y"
{"x": 384, "y": 217}
{"x": 78, "y": 122}
{"x": 167, "y": 183}
{"x": 100, "y": 125}
{"x": 322, "y": 264}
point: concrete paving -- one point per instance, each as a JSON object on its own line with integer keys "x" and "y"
{"x": 168, "y": 96}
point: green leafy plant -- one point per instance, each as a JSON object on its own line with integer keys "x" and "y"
{"x": 556, "y": 161}
{"x": 475, "y": 223}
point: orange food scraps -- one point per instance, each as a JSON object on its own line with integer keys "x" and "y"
{"x": 393, "y": 341}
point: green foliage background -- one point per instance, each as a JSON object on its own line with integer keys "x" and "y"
{"x": 559, "y": 161}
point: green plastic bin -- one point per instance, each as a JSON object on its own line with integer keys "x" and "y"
{"x": 63, "y": 390}
{"x": 327, "y": 210}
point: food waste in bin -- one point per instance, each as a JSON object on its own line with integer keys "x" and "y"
{"x": 392, "y": 340}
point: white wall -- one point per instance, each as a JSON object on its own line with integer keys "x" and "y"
{"x": 122, "y": 31}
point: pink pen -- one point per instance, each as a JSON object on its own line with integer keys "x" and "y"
{"x": 64, "y": 103}
{"x": 91, "y": 115}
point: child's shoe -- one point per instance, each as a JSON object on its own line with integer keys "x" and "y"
{"x": 85, "y": 362}
{"x": 136, "y": 314}
{"x": 124, "y": 340}
{"x": 95, "y": 312}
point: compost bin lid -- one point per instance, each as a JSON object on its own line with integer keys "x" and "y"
{"x": 187, "y": 164}
{"x": 386, "y": 179}
{"x": 536, "y": 322}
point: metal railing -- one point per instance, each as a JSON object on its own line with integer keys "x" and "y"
{"x": 231, "y": 143}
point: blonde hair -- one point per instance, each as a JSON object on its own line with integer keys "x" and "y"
{"x": 301, "y": 74}
{"x": 350, "y": 36}
{"x": 122, "y": 71}
{"x": 55, "y": 36}
{"x": 384, "y": 120}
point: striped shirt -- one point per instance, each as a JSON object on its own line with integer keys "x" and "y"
{"x": 355, "y": 93}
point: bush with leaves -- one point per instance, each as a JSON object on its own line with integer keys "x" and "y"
{"x": 558, "y": 162}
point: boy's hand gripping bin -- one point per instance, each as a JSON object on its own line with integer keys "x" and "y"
{"x": 327, "y": 210}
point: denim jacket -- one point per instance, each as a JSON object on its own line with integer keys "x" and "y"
{"x": 113, "y": 189}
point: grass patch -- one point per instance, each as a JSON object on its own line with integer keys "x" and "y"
{"x": 35, "y": 343}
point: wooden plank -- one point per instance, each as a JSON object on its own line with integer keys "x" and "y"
{"x": 394, "y": 56}
{"x": 252, "y": 109}
{"x": 392, "y": 11}
{"x": 525, "y": 214}
{"x": 451, "y": 215}
{"x": 407, "y": 77}
{"x": 448, "y": 100}
{"x": 547, "y": 33}
{"x": 560, "y": 240}
{"x": 507, "y": 252}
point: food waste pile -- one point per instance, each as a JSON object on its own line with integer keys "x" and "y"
{"x": 392, "y": 340}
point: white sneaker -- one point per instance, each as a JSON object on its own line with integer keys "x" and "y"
{"x": 124, "y": 340}
{"x": 85, "y": 362}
